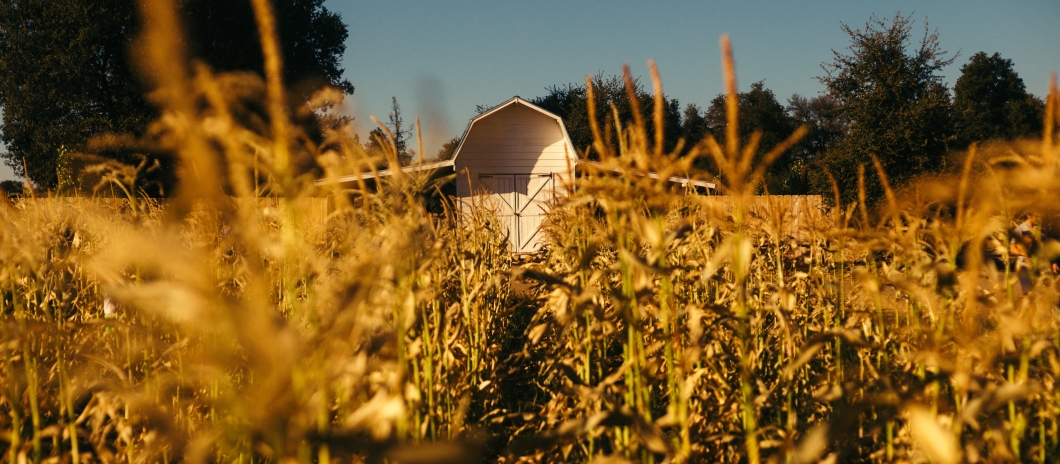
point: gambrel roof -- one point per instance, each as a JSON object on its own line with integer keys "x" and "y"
{"x": 516, "y": 100}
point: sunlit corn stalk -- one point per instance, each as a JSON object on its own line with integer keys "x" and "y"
{"x": 742, "y": 177}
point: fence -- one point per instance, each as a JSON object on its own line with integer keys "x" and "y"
{"x": 789, "y": 215}
{"x": 310, "y": 212}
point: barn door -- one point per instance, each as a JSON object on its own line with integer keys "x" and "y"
{"x": 533, "y": 192}
{"x": 521, "y": 201}
{"x": 500, "y": 192}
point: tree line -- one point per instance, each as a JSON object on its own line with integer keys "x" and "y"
{"x": 884, "y": 97}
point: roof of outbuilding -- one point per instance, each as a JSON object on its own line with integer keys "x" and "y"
{"x": 389, "y": 172}
{"x": 516, "y": 100}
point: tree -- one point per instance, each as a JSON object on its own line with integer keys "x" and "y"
{"x": 694, "y": 125}
{"x": 66, "y": 72}
{"x": 11, "y": 189}
{"x": 401, "y": 134}
{"x": 571, "y": 104}
{"x": 65, "y": 75}
{"x": 819, "y": 114}
{"x": 448, "y": 150}
{"x": 896, "y": 105}
{"x": 760, "y": 112}
{"x": 990, "y": 102}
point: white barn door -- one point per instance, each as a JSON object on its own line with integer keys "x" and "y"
{"x": 533, "y": 195}
{"x": 522, "y": 200}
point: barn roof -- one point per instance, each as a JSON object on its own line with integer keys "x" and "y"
{"x": 516, "y": 100}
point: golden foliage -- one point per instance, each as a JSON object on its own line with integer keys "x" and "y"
{"x": 653, "y": 327}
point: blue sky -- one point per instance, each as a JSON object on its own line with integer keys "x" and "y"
{"x": 442, "y": 58}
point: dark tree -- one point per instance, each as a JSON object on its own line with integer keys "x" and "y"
{"x": 760, "y": 112}
{"x": 224, "y": 34}
{"x": 571, "y": 104}
{"x": 66, "y": 73}
{"x": 694, "y": 126}
{"x": 820, "y": 115}
{"x": 990, "y": 102}
{"x": 896, "y": 104}
{"x": 11, "y": 189}
{"x": 401, "y": 134}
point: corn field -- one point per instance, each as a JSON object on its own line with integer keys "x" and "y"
{"x": 652, "y": 327}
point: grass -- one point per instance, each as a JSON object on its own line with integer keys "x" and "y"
{"x": 653, "y": 327}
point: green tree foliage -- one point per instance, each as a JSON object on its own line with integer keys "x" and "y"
{"x": 66, "y": 74}
{"x": 571, "y": 104}
{"x": 895, "y": 103}
{"x": 760, "y": 113}
{"x": 448, "y": 149}
{"x": 990, "y": 102}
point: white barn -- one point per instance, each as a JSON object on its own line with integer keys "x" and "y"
{"x": 516, "y": 157}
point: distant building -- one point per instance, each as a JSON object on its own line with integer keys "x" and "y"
{"x": 516, "y": 156}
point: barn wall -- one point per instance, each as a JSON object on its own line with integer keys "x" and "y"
{"x": 514, "y": 140}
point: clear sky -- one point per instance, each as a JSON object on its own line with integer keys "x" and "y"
{"x": 442, "y": 58}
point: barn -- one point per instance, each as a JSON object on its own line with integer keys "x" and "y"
{"x": 515, "y": 156}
